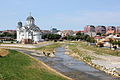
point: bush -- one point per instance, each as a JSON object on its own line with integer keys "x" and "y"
{"x": 3, "y": 52}
{"x": 51, "y": 36}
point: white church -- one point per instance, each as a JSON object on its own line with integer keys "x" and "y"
{"x": 28, "y": 33}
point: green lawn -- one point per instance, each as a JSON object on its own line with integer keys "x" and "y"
{"x": 18, "y": 66}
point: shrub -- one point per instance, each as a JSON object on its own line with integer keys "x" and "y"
{"x": 3, "y": 52}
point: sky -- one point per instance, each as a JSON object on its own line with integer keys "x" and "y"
{"x": 60, "y": 14}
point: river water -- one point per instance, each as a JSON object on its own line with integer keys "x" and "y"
{"x": 72, "y": 68}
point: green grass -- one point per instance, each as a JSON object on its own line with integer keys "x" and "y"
{"x": 98, "y": 50}
{"x": 18, "y": 66}
{"x": 49, "y": 47}
{"x": 82, "y": 55}
{"x": 87, "y": 58}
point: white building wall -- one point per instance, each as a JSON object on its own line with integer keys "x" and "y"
{"x": 18, "y": 36}
{"x": 36, "y": 36}
{"x": 26, "y": 35}
{"x": 21, "y": 36}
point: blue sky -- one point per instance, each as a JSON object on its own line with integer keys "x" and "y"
{"x": 61, "y": 14}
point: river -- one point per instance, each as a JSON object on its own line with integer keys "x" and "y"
{"x": 72, "y": 68}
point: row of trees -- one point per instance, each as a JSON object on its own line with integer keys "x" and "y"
{"x": 80, "y": 36}
{"x": 51, "y": 36}
{"x": 7, "y": 34}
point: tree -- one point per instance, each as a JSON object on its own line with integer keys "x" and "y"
{"x": 98, "y": 33}
{"x": 51, "y": 36}
{"x": 70, "y": 37}
{"x": 111, "y": 42}
{"x": 7, "y": 34}
{"x": 80, "y": 36}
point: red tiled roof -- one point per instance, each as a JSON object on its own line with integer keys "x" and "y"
{"x": 67, "y": 30}
{"x": 78, "y": 31}
{"x": 110, "y": 31}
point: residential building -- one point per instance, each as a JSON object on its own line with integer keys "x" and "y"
{"x": 111, "y": 30}
{"x": 91, "y": 34}
{"x": 45, "y": 31}
{"x": 78, "y": 32}
{"x": 100, "y": 29}
{"x": 89, "y": 28}
{"x": 54, "y": 30}
{"x": 118, "y": 30}
{"x": 66, "y": 33}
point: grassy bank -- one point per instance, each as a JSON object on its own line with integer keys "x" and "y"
{"x": 49, "y": 47}
{"x": 81, "y": 51}
{"x": 23, "y": 46}
{"x": 18, "y": 66}
{"x": 78, "y": 54}
{"x": 97, "y": 50}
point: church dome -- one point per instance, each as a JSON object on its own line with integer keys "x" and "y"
{"x": 30, "y": 18}
{"x": 19, "y": 24}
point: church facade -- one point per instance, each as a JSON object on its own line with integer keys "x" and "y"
{"x": 29, "y": 32}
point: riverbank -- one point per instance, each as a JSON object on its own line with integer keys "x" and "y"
{"x": 18, "y": 66}
{"x": 28, "y": 46}
{"x": 70, "y": 67}
{"x": 95, "y": 57}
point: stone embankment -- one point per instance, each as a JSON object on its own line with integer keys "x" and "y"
{"x": 109, "y": 70}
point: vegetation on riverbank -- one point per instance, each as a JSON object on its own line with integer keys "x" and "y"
{"x": 87, "y": 53}
{"x": 79, "y": 54}
{"x": 18, "y": 66}
{"x": 97, "y": 50}
{"x": 49, "y": 47}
